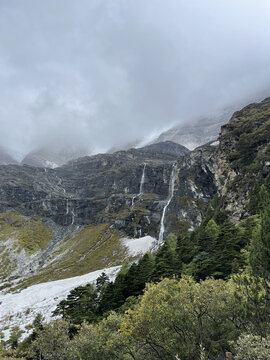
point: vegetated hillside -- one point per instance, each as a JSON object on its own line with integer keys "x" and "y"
{"x": 83, "y": 209}
{"x": 184, "y": 318}
{"x": 208, "y": 289}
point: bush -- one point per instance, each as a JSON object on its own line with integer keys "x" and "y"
{"x": 251, "y": 347}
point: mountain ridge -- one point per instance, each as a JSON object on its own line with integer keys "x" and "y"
{"x": 83, "y": 209}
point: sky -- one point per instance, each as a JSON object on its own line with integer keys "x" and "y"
{"x": 101, "y": 73}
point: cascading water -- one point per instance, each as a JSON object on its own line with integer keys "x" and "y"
{"x": 171, "y": 191}
{"x": 73, "y": 217}
{"x": 142, "y": 180}
{"x": 71, "y": 211}
{"x": 133, "y": 200}
{"x": 141, "y": 186}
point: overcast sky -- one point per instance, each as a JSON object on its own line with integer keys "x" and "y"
{"x": 102, "y": 72}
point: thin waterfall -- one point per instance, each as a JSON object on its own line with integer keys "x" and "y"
{"x": 73, "y": 217}
{"x": 141, "y": 186}
{"x": 70, "y": 209}
{"x": 171, "y": 191}
{"x": 133, "y": 199}
{"x": 142, "y": 180}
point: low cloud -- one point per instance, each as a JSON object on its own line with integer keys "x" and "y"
{"x": 101, "y": 73}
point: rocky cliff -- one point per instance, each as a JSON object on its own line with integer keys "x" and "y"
{"x": 67, "y": 221}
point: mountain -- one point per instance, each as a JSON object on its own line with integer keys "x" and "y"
{"x": 124, "y": 146}
{"x": 63, "y": 222}
{"x": 53, "y": 156}
{"x": 165, "y": 147}
{"x": 94, "y": 212}
{"x": 196, "y": 133}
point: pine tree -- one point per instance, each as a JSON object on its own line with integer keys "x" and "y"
{"x": 101, "y": 281}
{"x": 81, "y": 304}
{"x": 166, "y": 261}
{"x": 259, "y": 256}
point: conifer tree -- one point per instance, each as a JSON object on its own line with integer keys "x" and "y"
{"x": 259, "y": 256}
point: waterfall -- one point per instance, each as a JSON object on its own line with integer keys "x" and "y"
{"x": 70, "y": 209}
{"x": 73, "y": 217}
{"x": 60, "y": 182}
{"x": 171, "y": 191}
{"x": 142, "y": 180}
{"x": 141, "y": 186}
{"x": 133, "y": 199}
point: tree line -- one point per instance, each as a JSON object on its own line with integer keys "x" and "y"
{"x": 201, "y": 294}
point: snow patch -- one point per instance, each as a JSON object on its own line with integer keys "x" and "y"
{"x": 215, "y": 143}
{"x": 50, "y": 164}
{"x": 139, "y": 246}
{"x": 20, "y": 308}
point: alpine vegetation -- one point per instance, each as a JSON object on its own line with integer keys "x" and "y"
{"x": 134, "y": 180}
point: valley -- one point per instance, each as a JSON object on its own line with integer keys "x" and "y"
{"x": 62, "y": 228}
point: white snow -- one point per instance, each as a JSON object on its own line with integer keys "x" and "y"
{"x": 139, "y": 246}
{"x": 50, "y": 164}
{"x": 20, "y": 308}
{"x": 215, "y": 143}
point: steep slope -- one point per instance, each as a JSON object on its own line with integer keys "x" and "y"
{"x": 232, "y": 166}
{"x": 21, "y": 308}
{"x": 196, "y": 133}
{"x": 58, "y": 223}
{"x": 82, "y": 211}
{"x": 243, "y": 157}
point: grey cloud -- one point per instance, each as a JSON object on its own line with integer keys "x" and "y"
{"x": 98, "y": 73}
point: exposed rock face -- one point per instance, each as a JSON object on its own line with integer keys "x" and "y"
{"x": 124, "y": 192}
{"x": 111, "y": 196}
{"x": 242, "y": 156}
{"x": 97, "y": 189}
{"x": 166, "y": 147}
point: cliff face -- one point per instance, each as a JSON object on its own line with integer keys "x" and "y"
{"x": 82, "y": 210}
{"x": 76, "y": 215}
{"x": 243, "y": 156}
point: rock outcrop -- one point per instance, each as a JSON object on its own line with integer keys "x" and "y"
{"x": 91, "y": 203}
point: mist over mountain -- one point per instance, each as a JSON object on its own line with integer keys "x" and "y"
{"x": 135, "y": 179}
{"x": 198, "y": 132}
{"x": 104, "y": 74}
{"x": 54, "y": 156}
{"x": 6, "y": 157}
